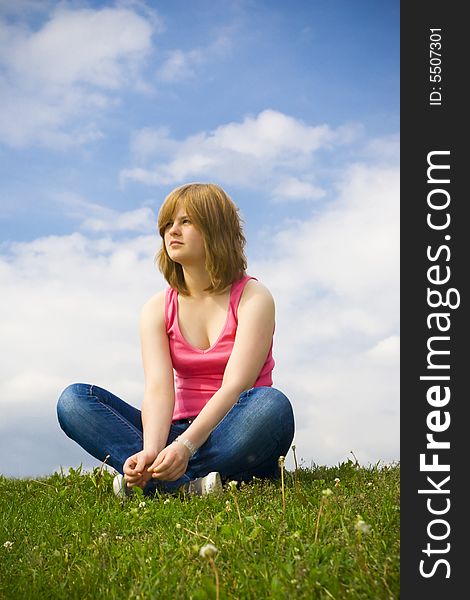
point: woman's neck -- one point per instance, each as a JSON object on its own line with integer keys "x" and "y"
{"x": 197, "y": 280}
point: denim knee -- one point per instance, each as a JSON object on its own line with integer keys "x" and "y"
{"x": 68, "y": 401}
{"x": 276, "y": 409}
{"x": 277, "y": 403}
{"x": 271, "y": 408}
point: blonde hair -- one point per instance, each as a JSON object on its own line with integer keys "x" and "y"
{"x": 216, "y": 216}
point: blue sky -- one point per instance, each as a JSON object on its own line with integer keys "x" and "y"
{"x": 292, "y": 107}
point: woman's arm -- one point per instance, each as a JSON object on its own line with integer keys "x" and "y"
{"x": 256, "y": 314}
{"x": 159, "y": 394}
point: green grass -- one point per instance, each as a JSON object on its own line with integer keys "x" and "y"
{"x": 69, "y": 537}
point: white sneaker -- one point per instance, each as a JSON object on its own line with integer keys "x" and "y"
{"x": 120, "y": 487}
{"x": 202, "y": 486}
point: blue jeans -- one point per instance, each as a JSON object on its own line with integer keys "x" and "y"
{"x": 247, "y": 442}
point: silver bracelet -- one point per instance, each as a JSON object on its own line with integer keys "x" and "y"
{"x": 189, "y": 445}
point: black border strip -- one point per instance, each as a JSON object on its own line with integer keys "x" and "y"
{"x": 433, "y": 133}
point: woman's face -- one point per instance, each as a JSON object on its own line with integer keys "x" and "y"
{"x": 183, "y": 241}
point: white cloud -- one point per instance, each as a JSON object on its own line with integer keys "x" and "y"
{"x": 335, "y": 277}
{"x": 152, "y": 142}
{"x": 70, "y": 309}
{"x": 20, "y": 7}
{"x": 386, "y": 351}
{"x": 180, "y": 64}
{"x": 359, "y": 229}
{"x": 263, "y": 150}
{"x": 140, "y": 220}
{"x": 97, "y": 47}
{"x": 292, "y": 188}
{"x": 56, "y": 78}
{"x": 95, "y": 217}
{"x": 272, "y": 134}
{"x": 385, "y": 149}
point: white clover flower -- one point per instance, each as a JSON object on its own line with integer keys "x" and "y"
{"x": 178, "y": 525}
{"x": 327, "y": 492}
{"x": 208, "y": 551}
{"x": 362, "y": 526}
{"x": 167, "y": 501}
{"x": 8, "y": 545}
{"x": 232, "y": 485}
{"x": 142, "y": 505}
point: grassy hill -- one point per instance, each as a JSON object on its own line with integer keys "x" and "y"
{"x": 327, "y": 533}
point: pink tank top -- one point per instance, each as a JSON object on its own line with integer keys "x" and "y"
{"x": 199, "y": 373}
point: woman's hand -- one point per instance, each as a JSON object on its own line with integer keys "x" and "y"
{"x": 171, "y": 463}
{"x": 135, "y": 468}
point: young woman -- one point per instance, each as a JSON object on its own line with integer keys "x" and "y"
{"x": 209, "y": 409}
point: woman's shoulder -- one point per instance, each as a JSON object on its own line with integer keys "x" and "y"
{"x": 255, "y": 289}
{"x": 154, "y": 308}
{"x": 255, "y": 286}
